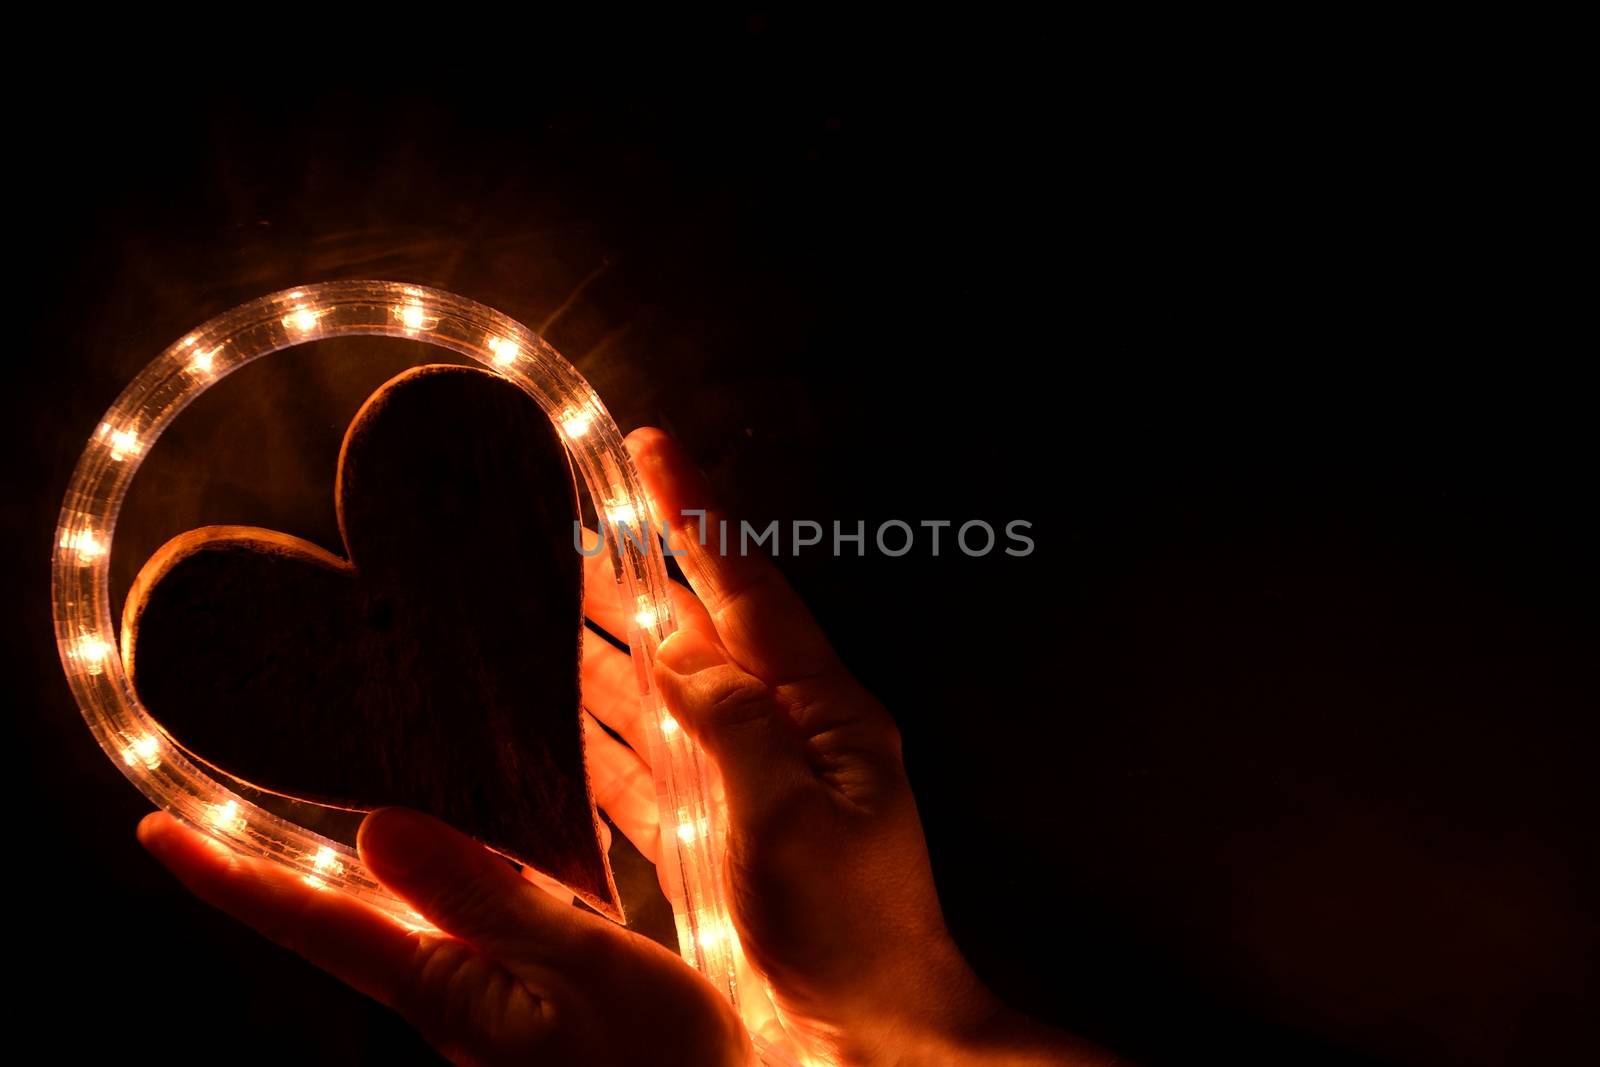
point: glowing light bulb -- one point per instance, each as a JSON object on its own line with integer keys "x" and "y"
{"x": 669, "y": 727}
{"x": 86, "y": 543}
{"x": 712, "y": 935}
{"x": 575, "y": 423}
{"x": 92, "y": 653}
{"x": 302, "y": 318}
{"x": 691, "y": 830}
{"x": 326, "y": 861}
{"x": 411, "y": 316}
{"x": 505, "y": 351}
{"x": 204, "y": 363}
{"x": 226, "y": 816}
{"x": 145, "y": 750}
{"x": 646, "y": 615}
{"x": 124, "y": 443}
{"x": 622, "y": 513}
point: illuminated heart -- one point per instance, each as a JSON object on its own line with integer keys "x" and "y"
{"x": 435, "y": 667}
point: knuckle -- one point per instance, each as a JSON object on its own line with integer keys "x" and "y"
{"x": 738, "y": 698}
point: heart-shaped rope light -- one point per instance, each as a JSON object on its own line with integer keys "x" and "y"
{"x": 691, "y": 861}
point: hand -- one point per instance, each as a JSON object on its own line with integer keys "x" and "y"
{"x": 831, "y": 888}
{"x": 515, "y": 976}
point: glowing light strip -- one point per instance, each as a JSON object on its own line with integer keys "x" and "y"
{"x": 86, "y": 638}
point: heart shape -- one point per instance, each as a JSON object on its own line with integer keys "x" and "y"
{"x": 436, "y": 667}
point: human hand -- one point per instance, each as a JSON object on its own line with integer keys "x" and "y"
{"x": 829, "y": 879}
{"x": 513, "y": 974}
{"x": 828, "y": 872}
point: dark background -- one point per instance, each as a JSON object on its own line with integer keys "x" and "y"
{"x": 1278, "y": 748}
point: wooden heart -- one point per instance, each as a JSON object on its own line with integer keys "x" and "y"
{"x": 435, "y": 667}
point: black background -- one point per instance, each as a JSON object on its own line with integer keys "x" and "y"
{"x": 1279, "y": 746}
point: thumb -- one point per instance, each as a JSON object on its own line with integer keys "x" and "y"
{"x": 463, "y": 888}
{"x": 735, "y": 716}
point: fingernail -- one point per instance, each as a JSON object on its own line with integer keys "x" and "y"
{"x": 686, "y": 652}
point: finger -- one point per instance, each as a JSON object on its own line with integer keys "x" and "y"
{"x": 737, "y": 719}
{"x": 603, "y": 597}
{"x": 623, "y": 787}
{"x": 355, "y": 943}
{"x": 758, "y": 617}
{"x": 464, "y": 889}
{"x": 611, "y": 692}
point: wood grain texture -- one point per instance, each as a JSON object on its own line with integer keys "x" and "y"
{"x": 435, "y": 667}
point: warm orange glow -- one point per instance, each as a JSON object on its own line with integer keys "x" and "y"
{"x": 145, "y": 750}
{"x": 301, "y": 318}
{"x": 92, "y": 653}
{"x": 325, "y": 860}
{"x": 691, "y": 803}
{"x": 124, "y": 443}
{"x": 85, "y": 543}
{"x": 688, "y": 831}
{"x": 226, "y": 816}
{"x": 575, "y": 423}
{"x": 505, "y": 351}
{"x": 713, "y": 935}
{"x": 411, "y": 316}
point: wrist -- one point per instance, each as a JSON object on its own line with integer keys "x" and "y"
{"x": 1016, "y": 1040}
{"x": 951, "y": 1017}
